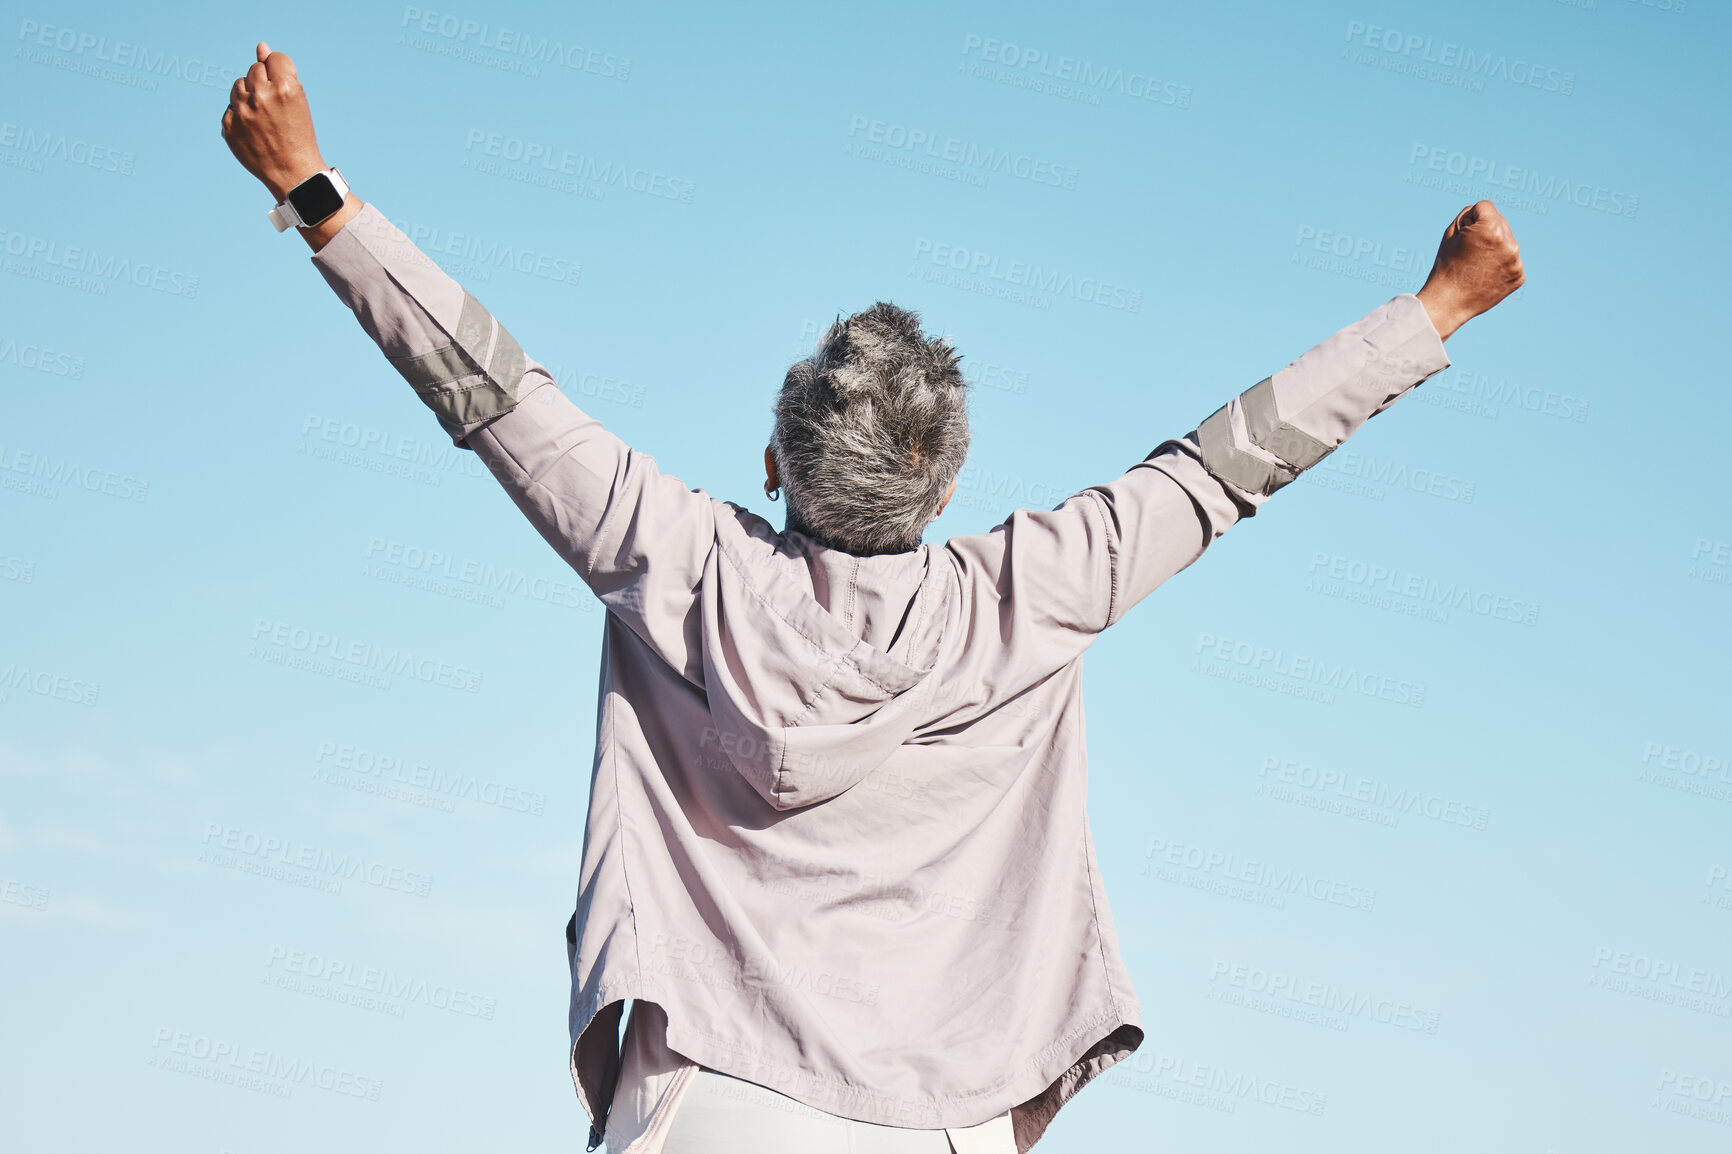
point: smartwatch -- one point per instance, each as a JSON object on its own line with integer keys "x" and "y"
{"x": 311, "y": 201}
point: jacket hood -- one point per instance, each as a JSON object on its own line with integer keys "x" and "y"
{"x": 814, "y": 660}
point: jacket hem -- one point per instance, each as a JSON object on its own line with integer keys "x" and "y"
{"x": 1032, "y": 1098}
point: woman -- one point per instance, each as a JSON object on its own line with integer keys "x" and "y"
{"x": 836, "y": 856}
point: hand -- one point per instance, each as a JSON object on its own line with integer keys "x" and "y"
{"x": 268, "y": 125}
{"x": 1478, "y": 264}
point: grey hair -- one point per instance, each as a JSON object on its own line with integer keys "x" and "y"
{"x": 870, "y": 431}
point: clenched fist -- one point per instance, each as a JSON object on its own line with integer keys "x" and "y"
{"x": 269, "y": 128}
{"x": 268, "y": 125}
{"x": 1478, "y": 264}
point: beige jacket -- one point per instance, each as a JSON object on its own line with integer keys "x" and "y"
{"x": 836, "y": 827}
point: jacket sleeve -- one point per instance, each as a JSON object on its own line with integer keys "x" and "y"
{"x": 638, "y": 537}
{"x": 1042, "y": 584}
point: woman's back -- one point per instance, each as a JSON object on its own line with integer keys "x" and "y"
{"x": 836, "y": 826}
{"x": 852, "y": 851}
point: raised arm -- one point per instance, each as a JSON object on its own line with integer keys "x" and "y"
{"x": 1049, "y": 581}
{"x": 1265, "y": 437}
{"x": 637, "y": 536}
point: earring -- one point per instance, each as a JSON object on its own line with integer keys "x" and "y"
{"x": 773, "y": 492}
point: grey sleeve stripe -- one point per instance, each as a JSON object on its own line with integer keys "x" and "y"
{"x": 1228, "y": 462}
{"x": 507, "y": 364}
{"x": 1263, "y": 421}
{"x": 439, "y": 367}
{"x": 474, "y": 328}
{"x": 480, "y": 347}
{"x": 465, "y": 406}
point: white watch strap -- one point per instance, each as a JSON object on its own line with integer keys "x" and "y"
{"x": 283, "y": 215}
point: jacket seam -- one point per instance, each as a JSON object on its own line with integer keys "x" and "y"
{"x": 619, "y": 832}
{"x": 602, "y": 526}
{"x": 1095, "y": 912}
{"x": 853, "y": 591}
{"x": 778, "y": 773}
{"x": 1401, "y": 332}
{"x": 927, "y": 598}
{"x": 758, "y": 596}
{"x": 511, "y": 390}
{"x": 1112, "y": 556}
{"x": 442, "y": 391}
{"x": 585, "y": 556}
{"x": 840, "y": 660}
{"x": 450, "y": 337}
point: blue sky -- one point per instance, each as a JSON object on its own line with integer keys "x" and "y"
{"x": 203, "y": 450}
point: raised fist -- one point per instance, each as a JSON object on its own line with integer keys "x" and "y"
{"x": 268, "y": 125}
{"x": 1478, "y": 264}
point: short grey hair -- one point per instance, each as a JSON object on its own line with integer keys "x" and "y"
{"x": 870, "y": 431}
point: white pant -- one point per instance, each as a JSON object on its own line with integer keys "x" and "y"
{"x": 725, "y": 1115}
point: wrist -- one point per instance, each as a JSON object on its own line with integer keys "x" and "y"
{"x": 282, "y": 178}
{"x": 1446, "y": 314}
{"x": 319, "y": 235}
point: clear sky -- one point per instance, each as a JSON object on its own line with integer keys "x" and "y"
{"x": 1490, "y": 909}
